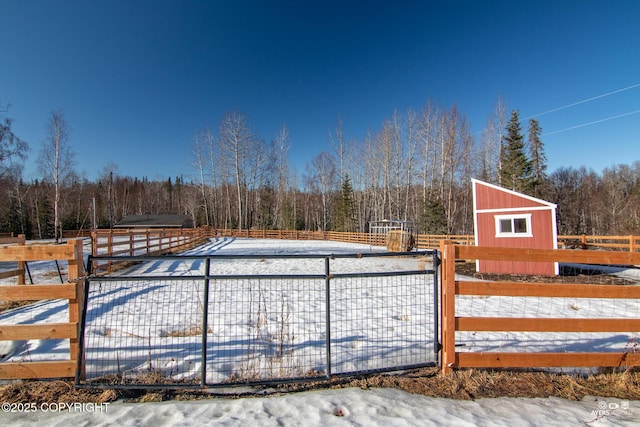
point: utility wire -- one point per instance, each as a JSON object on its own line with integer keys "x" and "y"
{"x": 586, "y": 100}
{"x": 593, "y": 122}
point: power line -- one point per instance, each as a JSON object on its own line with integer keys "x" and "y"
{"x": 584, "y": 101}
{"x": 593, "y": 122}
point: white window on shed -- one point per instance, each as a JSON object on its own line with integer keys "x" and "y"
{"x": 513, "y": 225}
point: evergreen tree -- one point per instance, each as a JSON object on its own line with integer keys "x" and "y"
{"x": 538, "y": 158}
{"x": 434, "y": 218}
{"x": 515, "y": 172}
{"x": 45, "y": 219}
{"x": 345, "y": 217}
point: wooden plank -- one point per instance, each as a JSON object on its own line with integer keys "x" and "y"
{"x": 448, "y": 310}
{"x": 548, "y": 255}
{"x": 539, "y": 360}
{"x": 37, "y": 292}
{"x": 521, "y": 324}
{"x": 49, "y": 331}
{"x": 76, "y": 263}
{"x": 35, "y": 252}
{"x": 75, "y": 314}
{"x": 20, "y": 240}
{"x": 11, "y": 273}
{"x": 38, "y": 370}
{"x": 547, "y": 289}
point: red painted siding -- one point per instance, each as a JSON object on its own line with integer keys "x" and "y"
{"x": 542, "y": 239}
{"x": 491, "y": 198}
{"x": 542, "y": 229}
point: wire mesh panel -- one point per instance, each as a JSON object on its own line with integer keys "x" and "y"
{"x": 139, "y": 328}
{"x": 266, "y": 329}
{"x": 381, "y": 322}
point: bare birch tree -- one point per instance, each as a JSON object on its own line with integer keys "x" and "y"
{"x": 201, "y": 143}
{"x": 236, "y": 138}
{"x": 321, "y": 179}
{"x": 56, "y": 161}
{"x": 491, "y": 145}
{"x": 280, "y": 160}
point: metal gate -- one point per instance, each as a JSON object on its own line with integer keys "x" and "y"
{"x": 221, "y": 320}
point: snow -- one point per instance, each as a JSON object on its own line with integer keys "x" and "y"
{"x": 344, "y": 406}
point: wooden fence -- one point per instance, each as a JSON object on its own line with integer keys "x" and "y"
{"x": 619, "y": 243}
{"x": 423, "y": 241}
{"x": 143, "y": 242}
{"x": 432, "y": 241}
{"x": 19, "y": 272}
{"x": 450, "y": 323}
{"x": 72, "y": 291}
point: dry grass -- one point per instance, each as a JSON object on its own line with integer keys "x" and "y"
{"x": 8, "y": 305}
{"x": 472, "y": 384}
{"x": 191, "y": 331}
{"x": 462, "y": 384}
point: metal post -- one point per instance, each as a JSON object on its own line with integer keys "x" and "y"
{"x": 26, "y": 266}
{"x": 328, "y": 314}
{"x": 59, "y": 272}
{"x": 205, "y": 322}
{"x": 80, "y": 367}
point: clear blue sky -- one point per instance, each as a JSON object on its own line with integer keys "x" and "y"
{"x": 137, "y": 79}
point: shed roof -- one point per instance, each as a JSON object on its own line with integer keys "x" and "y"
{"x": 155, "y": 221}
{"x": 490, "y": 198}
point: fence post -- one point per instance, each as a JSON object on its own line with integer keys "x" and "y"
{"x": 21, "y": 264}
{"x": 632, "y": 244}
{"x": 448, "y": 298}
{"x": 75, "y": 270}
{"x": 109, "y": 249}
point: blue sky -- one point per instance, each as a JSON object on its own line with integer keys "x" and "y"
{"x": 137, "y": 79}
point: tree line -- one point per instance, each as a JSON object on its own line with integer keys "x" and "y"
{"x": 416, "y": 166}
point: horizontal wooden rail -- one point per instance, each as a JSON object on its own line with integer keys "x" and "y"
{"x": 547, "y": 255}
{"x": 49, "y": 331}
{"x": 519, "y": 324}
{"x": 37, "y": 292}
{"x": 36, "y": 252}
{"x": 567, "y": 290}
{"x": 551, "y": 360}
{"x": 11, "y": 273}
{"x": 38, "y": 370}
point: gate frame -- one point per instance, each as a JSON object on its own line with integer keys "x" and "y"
{"x": 327, "y": 276}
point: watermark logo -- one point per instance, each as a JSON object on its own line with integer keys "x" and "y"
{"x": 612, "y": 408}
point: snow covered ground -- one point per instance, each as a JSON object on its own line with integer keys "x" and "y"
{"x": 332, "y": 407}
{"x": 342, "y": 407}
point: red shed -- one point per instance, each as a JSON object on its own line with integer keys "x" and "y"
{"x": 505, "y": 218}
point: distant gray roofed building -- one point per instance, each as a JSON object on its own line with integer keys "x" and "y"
{"x": 155, "y": 221}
